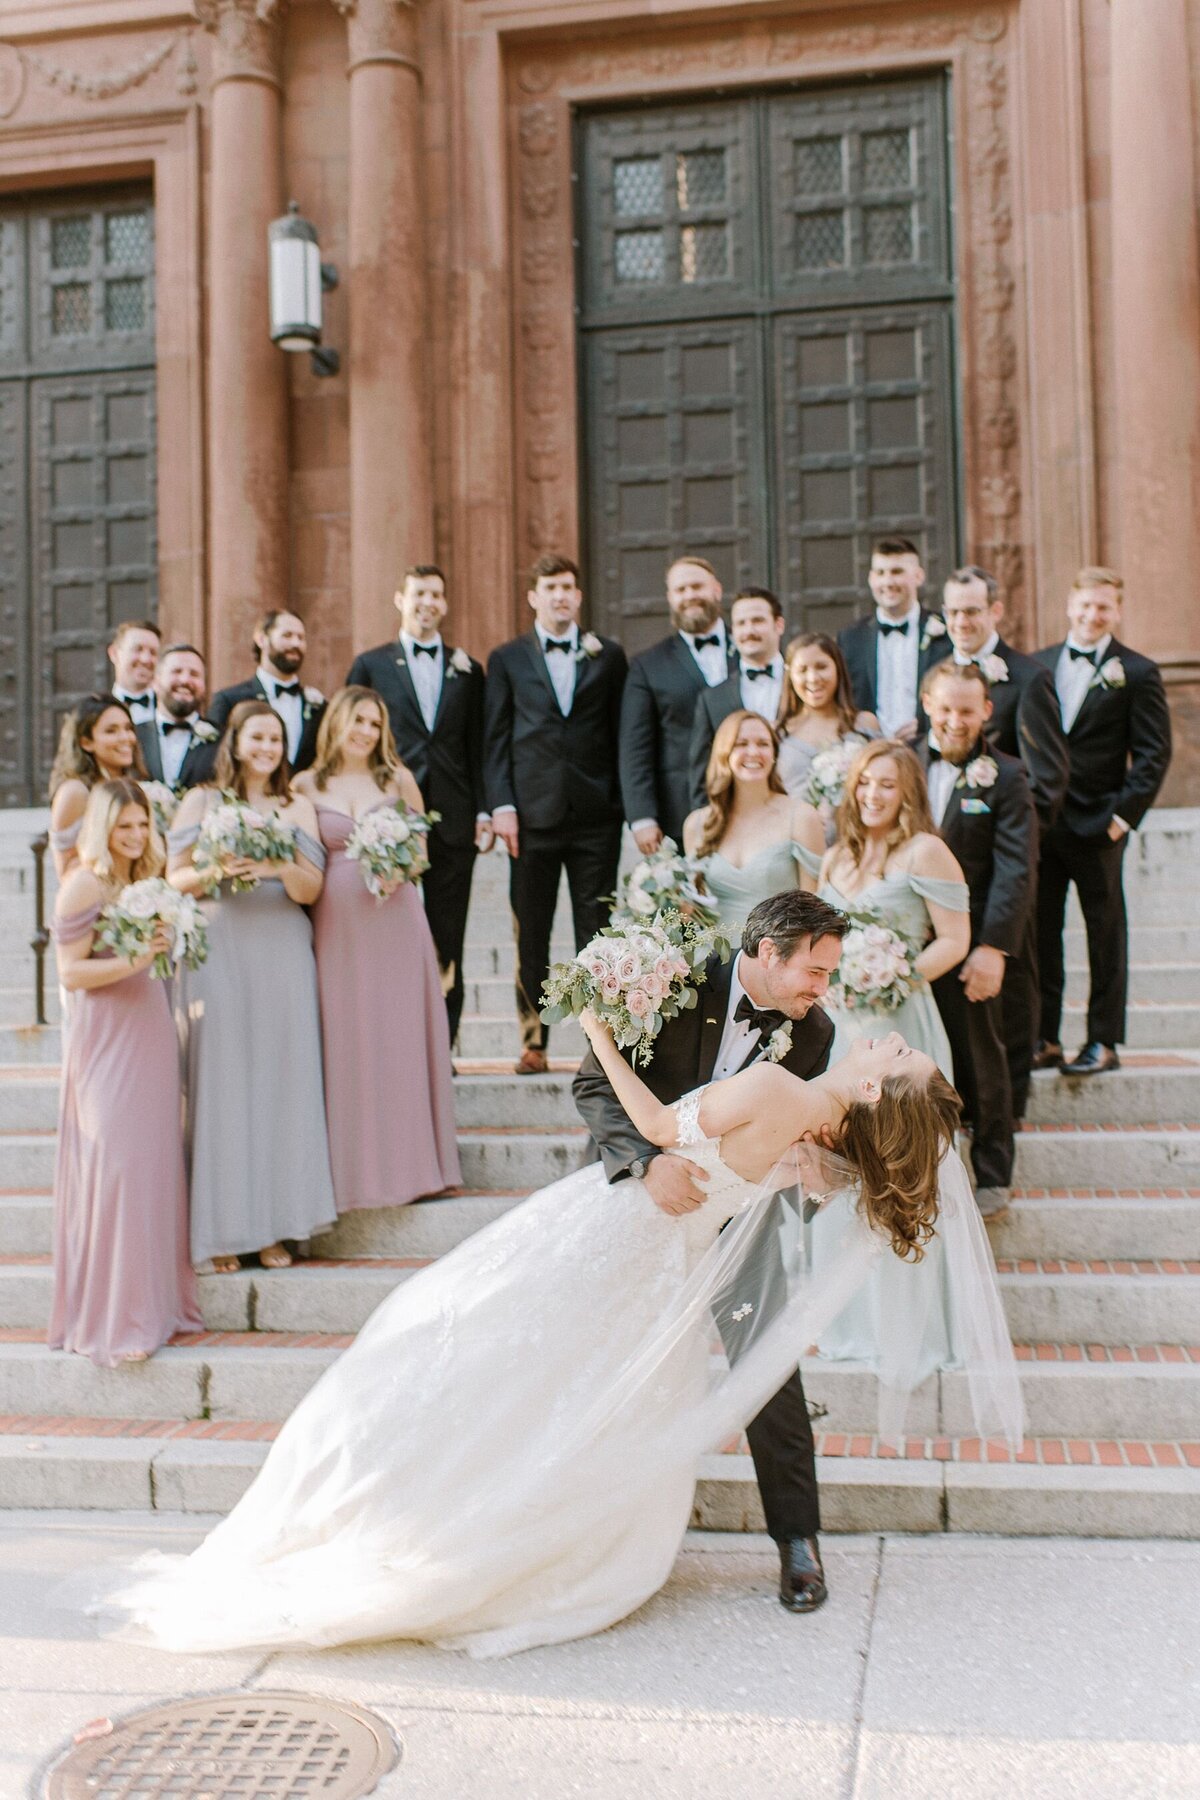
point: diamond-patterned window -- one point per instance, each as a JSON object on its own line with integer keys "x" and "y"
{"x": 127, "y": 238}
{"x": 704, "y": 252}
{"x": 820, "y": 167}
{"x": 70, "y": 243}
{"x": 821, "y": 240}
{"x": 125, "y": 304}
{"x": 886, "y": 160}
{"x": 887, "y": 234}
{"x": 640, "y": 256}
{"x": 699, "y": 179}
{"x": 637, "y": 186}
{"x": 71, "y": 309}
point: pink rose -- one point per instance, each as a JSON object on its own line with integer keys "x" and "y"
{"x": 628, "y": 968}
{"x": 610, "y": 988}
{"x": 639, "y": 1003}
{"x": 653, "y": 987}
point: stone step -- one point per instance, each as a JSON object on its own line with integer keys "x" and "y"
{"x": 17, "y": 1005}
{"x": 1120, "y": 1157}
{"x": 1150, "y": 983}
{"x": 499, "y": 1037}
{"x": 1149, "y": 1085}
{"x": 1150, "y": 1025}
{"x": 1112, "y": 1488}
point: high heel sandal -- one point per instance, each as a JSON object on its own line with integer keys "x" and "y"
{"x": 275, "y": 1257}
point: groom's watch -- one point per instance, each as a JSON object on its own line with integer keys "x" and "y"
{"x": 638, "y": 1167}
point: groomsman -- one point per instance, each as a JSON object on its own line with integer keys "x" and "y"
{"x": 133, "y": 653}
{"x": 756, "y": 683}
{"x": 280, "y": 642}
{"x": 179, "y": 746}
{"x": 433, "y": 692}
{"x": 552, "y": 712}
{"x": 659, "y": 706}
{"x": 983, "y": 809}
{"x": 890, "y": 653}
{"x": 1026, "y": 721}
{"x": 1114, "y": 712}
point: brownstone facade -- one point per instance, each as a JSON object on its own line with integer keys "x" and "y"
{"x": 434, "y": 143}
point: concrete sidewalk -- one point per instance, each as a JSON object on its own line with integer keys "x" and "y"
{"x": 966, "y": 1668}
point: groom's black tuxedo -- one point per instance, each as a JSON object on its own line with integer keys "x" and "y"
{"x": 780, "y": 1437}
{"x": 657, "y": 711}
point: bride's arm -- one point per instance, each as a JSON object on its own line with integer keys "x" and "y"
{"x": 655, "y": 1121}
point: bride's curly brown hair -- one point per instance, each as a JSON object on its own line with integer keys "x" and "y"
{"x": 896, "y": 1147}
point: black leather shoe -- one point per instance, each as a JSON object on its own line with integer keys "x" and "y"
{"x": 801, "y": 1578}
{"x": 1048, "y": 1056}
{"x": 1093, "y": 1059}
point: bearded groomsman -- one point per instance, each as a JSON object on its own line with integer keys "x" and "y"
{"x": 890, "y": 653}
{"x": 659, "y": 706}
{"x": 983, "y": 808}
{"x": 280, "y": 642}
{"x": 1114, "y": 712}
{"x": 552, "y": 711}
{"x": 756, "y": 683}
{"x": 179, "y": 746}
{"x": 1026, "y": 721}
{"x": 433, "y": 692}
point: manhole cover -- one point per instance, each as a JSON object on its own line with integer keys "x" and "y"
{"x": 231, "y": 1747}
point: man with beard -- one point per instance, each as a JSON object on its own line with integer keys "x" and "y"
{"x": 280, "y": 642}
{"x": 178, "y": 744}
{"x": 659, "y": 704}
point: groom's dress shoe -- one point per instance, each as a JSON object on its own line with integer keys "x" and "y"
{"x": 1048, "y": 1056}
{"x": 1093, "y": 1059}
{"x": 801, "y": 1578}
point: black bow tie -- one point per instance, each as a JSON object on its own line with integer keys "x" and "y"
{"x": 135, "y": 700}
{"x": 167, "y": 726}
{"x": 425, "y": 649}
{"x": 1088, "y": 656}
{"x": 290, "y": 688}
{"x": 558, "y": 644}
{"x": 758, "y": 674}
{"x": 886, "y": 630}
{"x": 759, "y": 1018}
{"x": 704, "y": 642}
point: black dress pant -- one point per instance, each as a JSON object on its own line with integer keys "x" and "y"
{"x": 781, "y": 1435}
{"x": 447, "y": 888}
{"x": 590, "y": 856}
{"x": 1094, "y": 865}
{"x": 976, "y": 1032}
{"x": 1020, "y": 1007}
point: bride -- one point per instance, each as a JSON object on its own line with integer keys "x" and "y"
{"x": 507, "y": 1455}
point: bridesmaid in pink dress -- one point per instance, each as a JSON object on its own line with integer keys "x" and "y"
{"x": 123, "y": 1280}
{"x": 389, "y": 1099}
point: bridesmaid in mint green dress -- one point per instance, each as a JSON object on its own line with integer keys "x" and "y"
{"x": 889, "y": 861}
{"x": 752, "y": 839}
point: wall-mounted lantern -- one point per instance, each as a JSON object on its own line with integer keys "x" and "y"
{"x": 298, "y": 278}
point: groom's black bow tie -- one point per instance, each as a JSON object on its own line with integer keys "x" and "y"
{"x": 886, "y": 630}
{"x": 702, "y": 643}
{"x": 763, "y": 1019}
{"x": 559, "y": 644}
{"x": 425, "y": 649}
{"x": 1082, "y": 655}
{"x": 291, "y": 687}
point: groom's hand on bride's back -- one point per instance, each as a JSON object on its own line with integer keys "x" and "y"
{"x": 675, "y": 1185}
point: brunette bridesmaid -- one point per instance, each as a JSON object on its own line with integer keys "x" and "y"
{"x": 97, "y": 743}
{"x": 123, "y": 1281}
{"x": 388, "y": 1090}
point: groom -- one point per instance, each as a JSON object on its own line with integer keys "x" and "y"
{"x": 790, "y": 947}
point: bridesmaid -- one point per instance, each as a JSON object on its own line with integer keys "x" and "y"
{"x": 817, "y": 712}
{"x": 257, "y": 1145}
{"x": 752, "y": 839}
{"x": 97, "y": 743}
{"x": 389, "y": 1099}
{"x": 123, "y": 1283}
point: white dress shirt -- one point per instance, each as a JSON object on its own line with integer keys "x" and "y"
{"x": 140, "y": 705}
{"x": 737, "y": 1039}
{"x": 290, "y": 708}
{"x": 173, "y": 746}
{"x": 981, "y": 655}
{"x": 1073, "y": 677}
{"x": 941, "y": 778}
{"x": 713, "y": 660}
{"x": 897, "y": 655}
{"x": 761, "y": 695}
{"x": 427, "y": 674}
{"x": 561, "y": 665}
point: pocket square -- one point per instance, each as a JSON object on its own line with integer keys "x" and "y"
{"x": 974, "y": 806}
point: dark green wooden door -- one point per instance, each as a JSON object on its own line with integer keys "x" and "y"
{"x": 767, "y": 330}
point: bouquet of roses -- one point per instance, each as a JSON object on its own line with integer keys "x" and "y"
{"x": 128, "y": 923}
{"x": 634, "y": 977}
{"x": 827, "y": 777}
{"x": 666, "y": 881}
{"x": 232, "y": 829}
{"x": 877, "y": 971}
{"x": 164, "y": 802}
{"x": 390, "y": 847}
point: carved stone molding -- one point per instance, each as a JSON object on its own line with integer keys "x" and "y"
{"x": 98, "y": 84}
{"x": 381, "y": 31}
{"x": 245, "y": 36}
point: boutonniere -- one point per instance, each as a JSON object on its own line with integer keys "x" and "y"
{"x": 934, "y": 628}
{"x": 207, "y": 734}
{"x": 1112, "y": 673}
{"x": 779, "y": 1042}
{"x": 459, "y": 664}
{"x": 982, "y": 773}
{"x": 589, "y": 646}
{"x": 995, "y": 668}
{"x": 312, "y": 697}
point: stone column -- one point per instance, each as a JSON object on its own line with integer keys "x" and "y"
{"x": 1156, "y": 325}
{"x": 391, "y": 477}
{"x": 247, "y": 377}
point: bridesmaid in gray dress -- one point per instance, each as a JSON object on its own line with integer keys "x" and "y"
{"x": 817, "y": 713}
{"x": 749, "y": 837}
{"x": 257, "y": 1145}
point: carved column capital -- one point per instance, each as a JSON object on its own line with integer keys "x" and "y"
{"x": 381, "y": 31}
{"x": 246, "y": 38}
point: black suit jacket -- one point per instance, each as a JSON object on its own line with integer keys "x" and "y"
{"x": 993, "y": 832}
{"x": 1026, "y": 721}
{"x": 197, "y": 765}
{"x": 685, "y": 1051}
{"x": 657, "y": 714}
{"x": 859, "y": 643}
{"x": 447, "y": 762}
{"x": 226, "y": 699}
{"x": 1119, "y": 745}
{"x": 557, "y": 771}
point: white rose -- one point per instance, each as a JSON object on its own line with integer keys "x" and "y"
{"x": 590, "y": 644}
{"x": 935, "y": 627}
{"x": 982, "y": 773}
{"x": 461, "y": 661}
{"x": 995, "y": 668}
{"x": 313, "y": 696}
{"x": 1112, "y": 674}
{"x": 208, "y": 734}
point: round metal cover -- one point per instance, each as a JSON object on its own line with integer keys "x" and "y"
{"x": 231, "y": 1747}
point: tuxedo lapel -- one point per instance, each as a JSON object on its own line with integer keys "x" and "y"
{"x": 538, "y": 659}
{"x": 714, "y": 1004}
{"x": 689, "y": 669}
{"x": 1098, "y": 690}
{"x": 408, "y": 688}
{"x": 447, "y": 677}
{"x": 151, "y": 748}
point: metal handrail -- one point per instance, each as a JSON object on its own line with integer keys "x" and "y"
{"x": 40, "y": 942}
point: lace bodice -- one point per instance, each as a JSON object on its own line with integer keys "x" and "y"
{"x": 727, "y": 1193}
